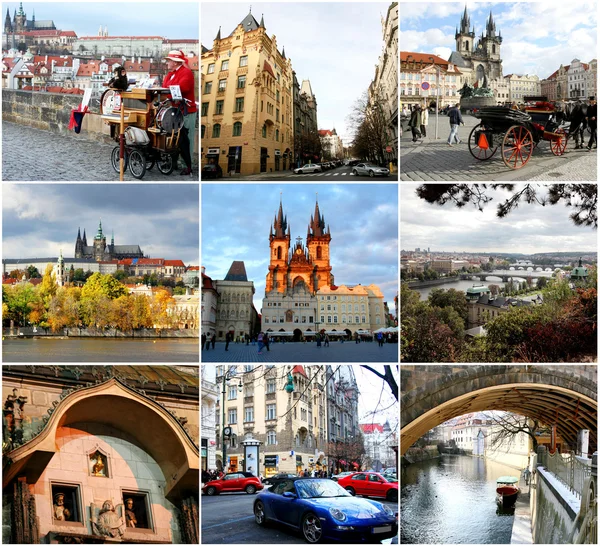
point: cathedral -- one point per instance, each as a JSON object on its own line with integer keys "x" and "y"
{"x": 301, "y": 297}
{"x": 99, "y": 251}
{"x": 480, "y": 62}
{"x": 20, "y": 24}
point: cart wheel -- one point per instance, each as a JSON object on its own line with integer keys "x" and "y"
{"x": 483, "y": 152}
{"x": 517, "y": 147}
{"x": 166, "y": 163}
{"x": 558, "y": 145}
{"x": 115, "y": 160}
{"x": 149, "y": 164}
{"x": 137, "y": 164}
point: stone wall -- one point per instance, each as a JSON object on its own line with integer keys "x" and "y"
{"x": 93, "y": 332}
{"x": 418, "y": 454}
{"x": 52, "y": 111}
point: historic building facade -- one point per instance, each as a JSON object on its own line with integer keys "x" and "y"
{"x": 246, "y": 93}
{"x": 522, "y": 86}
{"x": 100, "y": 251}
{"x": 290, "y": 426}
{"x": 306, "y": 142}
{"x": 236, "y": 314}
{"x": 210, "y": 396}
{"x": 571, "y": 82}
{"x": 97, "y": 454}
{"x": 479, "y": 62}
{"x": 210, "y": 302}
{"x": 379, "y": 440}
{"x": 331, "y": 144}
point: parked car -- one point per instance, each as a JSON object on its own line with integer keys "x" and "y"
{"x": 367, "y": 169}
{"x": 390, "y": 473}
{"x": 235, "y": 481}
{"x": 277, "y": 478}
{"x": 308, "y": 168}
{"x": 212, "y": 171}
{"x": 370, "y": 484}
{"x": 320, "y": 509}
{"x": 353, "y": 162}
{"x": 336, "y": 477}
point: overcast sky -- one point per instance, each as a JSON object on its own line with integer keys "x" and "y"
{"x": 40, "y": 219}
{"x": 371, "y": 407}
{"x": 137, "y": 18}
{"x": 335, "y": 45}
{"x": 537, "y": 36}
{"x": 363, "y": 218}
{"x": 528, "y": 229}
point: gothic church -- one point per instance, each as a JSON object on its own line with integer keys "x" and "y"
{"x": 100, "y": 251}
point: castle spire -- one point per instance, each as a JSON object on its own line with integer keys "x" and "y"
{"x": 218, "y": 34}
{"x": 112, "y": 239}
{"x": 79, "y": 233}
{"x": 84, "y": 240}
{"x": 99, "y": 234}
{"x": 262, "y": 21}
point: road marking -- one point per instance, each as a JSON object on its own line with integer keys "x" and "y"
{"x": 226, "y": 522}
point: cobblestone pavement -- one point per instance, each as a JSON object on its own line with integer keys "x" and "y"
{"x": 429, "y": 159}
{"x": 51, "y": 156}
{"x": 301, "y": 352}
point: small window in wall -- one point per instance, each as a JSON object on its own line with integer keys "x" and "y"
{"x": 65, "y": 503}
{"x": 137, "y": 510}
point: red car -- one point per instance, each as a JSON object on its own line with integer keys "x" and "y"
{"x": 370, "y": 484}
{"x": 236, "y": 481}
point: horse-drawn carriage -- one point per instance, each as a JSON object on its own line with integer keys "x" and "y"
{"x": 517, "y": 133}
{"x": 152, "y": 128}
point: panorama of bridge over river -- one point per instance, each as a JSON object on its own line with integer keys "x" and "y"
{"x": 499, "y": 454}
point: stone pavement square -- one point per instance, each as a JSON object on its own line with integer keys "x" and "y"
{"x": 431, "y": 160}
{"x": 303, "y": 352}
{"x": 34, "y": 154}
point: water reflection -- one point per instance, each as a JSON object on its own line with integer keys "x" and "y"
{"x": 452, "y": 500}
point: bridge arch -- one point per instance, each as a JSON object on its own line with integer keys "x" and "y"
{"x": 565, "y": 396}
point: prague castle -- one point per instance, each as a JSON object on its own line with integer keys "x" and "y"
{"x": 301, "y": 297}
{"x": 100, "y": 251}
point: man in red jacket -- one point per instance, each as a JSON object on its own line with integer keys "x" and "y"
{"x": 180, "y": 74}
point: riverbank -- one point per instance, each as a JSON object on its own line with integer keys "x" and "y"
{"x": 434, "y": 282}
{"x": 420, "y": 454}
{"x": 66, "y": 333}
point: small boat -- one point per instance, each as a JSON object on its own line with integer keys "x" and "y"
{"x": 507, "y": 490}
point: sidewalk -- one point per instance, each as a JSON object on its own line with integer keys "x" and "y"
{"x": 429, "y": 160}
{"x": 521, "y": 531}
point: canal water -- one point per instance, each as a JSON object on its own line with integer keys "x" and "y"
{"x": 463, "y": 285}
{"x": 101, "y": 350}
{"x": 452, "y": 500}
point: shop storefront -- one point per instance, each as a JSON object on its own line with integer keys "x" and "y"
{"x": 270, "y": 465}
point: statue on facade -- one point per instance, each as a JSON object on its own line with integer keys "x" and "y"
{"x": 98, "y": 468}
{"x": 108, "y": 523}
{"x": 130, "y": 518}
{"x": 61, "y": 512}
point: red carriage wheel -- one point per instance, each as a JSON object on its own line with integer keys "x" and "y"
{"x": 479, "y": 144}
{"x": 558, "y": 144}
{"x": 517, "y": 147}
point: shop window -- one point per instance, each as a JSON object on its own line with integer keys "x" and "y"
{"x": 137, "y": 510}
{"x": 66, "y": 500}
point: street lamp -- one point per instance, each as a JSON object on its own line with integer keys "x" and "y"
{"x": 437, "y": 94}
{"x": 226, "y": 430}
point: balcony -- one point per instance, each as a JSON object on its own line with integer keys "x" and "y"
{"x": 248, "y": 399}
{"x": 271, "y": 396}
{"x": 241, "y": 71}
{"x": 221, "y": 92}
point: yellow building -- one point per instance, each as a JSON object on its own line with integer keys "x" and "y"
{"x": 350, "y": 309}
{"x": 246, "y": 96}
{"x": 290, "y": 426}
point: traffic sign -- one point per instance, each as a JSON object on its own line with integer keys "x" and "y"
{"x": 425, "y": 86}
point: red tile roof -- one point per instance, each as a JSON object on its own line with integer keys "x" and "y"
{"x": 121, "y": 37}
{"x": 300, "y": 370}
{"x": 370, "y": 428}
{"x": 267, "y": 67}
{"x": 193, "y": 268}
{"x": 424, "y": 58}
{"x": 324, "y": 132}
{"x": 150, "y": 261}
{"x": 177, "y": 263}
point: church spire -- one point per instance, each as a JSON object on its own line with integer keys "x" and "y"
{"x": 218, "y": 34}
{"x": 112, "y": 239}
{"x": 84, "y": 240}
{"x": 262, "y": 21}
{"x": 99, "y": 234}
{"x": 280, "y": 223}
{"x": 79, "y": 233}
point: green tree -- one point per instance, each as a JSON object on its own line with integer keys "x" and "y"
{"x": 32, "y": 272}
{"x": 179, "y": 291}
{"x": 141, "y": 316}
{"x": 48, "y": 287}
{"x": 456, "y": 299}
{"x": 19, "y": 299}
{"x": 99, "y": 284}
{"x": 120, "y": 275}
{"x": 79, "y": 275}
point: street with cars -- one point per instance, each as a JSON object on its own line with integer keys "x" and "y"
{"x": 351, "y": 507}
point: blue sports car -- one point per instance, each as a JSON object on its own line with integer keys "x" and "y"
{"x": 320, "y": 509}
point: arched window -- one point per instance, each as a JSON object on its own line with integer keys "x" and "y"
{"x": 493, "y": 49}
{"x": 242, "y": 315}
{"x": 279, "y": 253}
{"x": 216, "y": 130}
{"x": 237, "y": 129}
{"x": 319, "y": 253}
{"x": 202, "y": 131}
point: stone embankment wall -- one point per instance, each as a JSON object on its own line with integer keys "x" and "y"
{"x": 433, "y": 282}
{"x": 420, "y": 454}
{"x": 52, "y": 111}
{"x": 92, "y": 332}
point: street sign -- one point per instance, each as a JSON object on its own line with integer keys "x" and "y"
{"x": 425, "y": 86}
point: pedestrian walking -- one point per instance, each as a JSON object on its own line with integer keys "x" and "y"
{"x": 424, "y": 121}
{"x": 227, "y": 340}
{"x": 260, "y": 342}
{"x": 455, "y": 121}
{"x": 267, "y": 341}
{"x": 253, "y": 340}
{"x": 208, "y": 341}
{"x": 380, "y": 339}
{"x": 326, "y": 340}
{"x": 203, "y": 340}
{"x": 415, "y": 123}
{"x": 527, "y": 475}
{"x": 318, "y": 337}
{"x": 213, "y": 340}
{"x": 592, "y": 122}
{"x": 578, "y": 125}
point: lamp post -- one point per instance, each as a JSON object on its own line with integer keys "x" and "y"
{"x": 226, "y": 430}
{"x": 437, "y": 94}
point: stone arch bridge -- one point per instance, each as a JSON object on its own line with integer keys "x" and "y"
{"x": 561, "y": 395}
{"x": 517, "y": 274}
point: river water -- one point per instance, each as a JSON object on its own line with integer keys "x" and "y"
{"x": 101, "y": 350}
{"x": 452, "y": 500}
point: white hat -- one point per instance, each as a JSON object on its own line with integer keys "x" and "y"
{"x": 176, "y": 55}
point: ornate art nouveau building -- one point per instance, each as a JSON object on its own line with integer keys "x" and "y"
{"x": 98, "y": 454}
